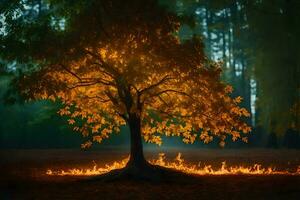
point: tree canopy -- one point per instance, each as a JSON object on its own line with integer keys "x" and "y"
{"x": 109, "y": 62}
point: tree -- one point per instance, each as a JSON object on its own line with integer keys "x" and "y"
{"x": 113, "y": 64}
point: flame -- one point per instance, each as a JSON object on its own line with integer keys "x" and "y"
{"x": 178, "y": 164}
{"x": 90, "y": 172}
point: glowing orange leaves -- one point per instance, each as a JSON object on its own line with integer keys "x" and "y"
{"x": 87, "y": 144}
{"x": 71, "y": 121}
{"x": 170, "y": 86}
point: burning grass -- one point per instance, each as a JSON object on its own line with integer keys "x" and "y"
{"x": 178, "y": 164}
{"x": 24, "y": 175}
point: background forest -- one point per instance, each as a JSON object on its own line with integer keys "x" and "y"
{"x": 256, "y": 40}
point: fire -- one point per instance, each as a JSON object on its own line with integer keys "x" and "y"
{"x": 90, "y": 172}
{"x": 178, "y": 164}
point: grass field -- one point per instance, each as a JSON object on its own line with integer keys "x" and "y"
{"x": 23, "y": 176}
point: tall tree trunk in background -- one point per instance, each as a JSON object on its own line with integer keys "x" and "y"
{"x": 230, "y": 53}
{"x": 292, "y": 56}
{"x": 246, "y": 88}
{"x": 224, "y": 47}
{"x": 208, "y": 23}
{"x": 224, "y": 44}
{"x": 231, "y": 24}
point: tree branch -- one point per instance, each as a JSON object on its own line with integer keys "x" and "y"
{"x": 103, "y": 64}
{"x": 165, "y": 78}
{"x": 82, "y": 84}
{"x": 171, "y": 90}
{"x": 70, "y": 72}
{"x": 102, "y": 100}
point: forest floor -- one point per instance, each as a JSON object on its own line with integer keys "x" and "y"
{"x": 23, "y": 176}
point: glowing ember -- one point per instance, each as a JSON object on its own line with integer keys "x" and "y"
{"x": 180, "y": 165}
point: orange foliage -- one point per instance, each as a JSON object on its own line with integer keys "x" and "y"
{"x": 147, "y": 72}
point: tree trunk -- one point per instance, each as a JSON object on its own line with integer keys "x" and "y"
{"x": 137, "y": 167}
{"x": 137, "y": 159}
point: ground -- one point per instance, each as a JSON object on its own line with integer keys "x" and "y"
{"x": 23, "y": 176}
